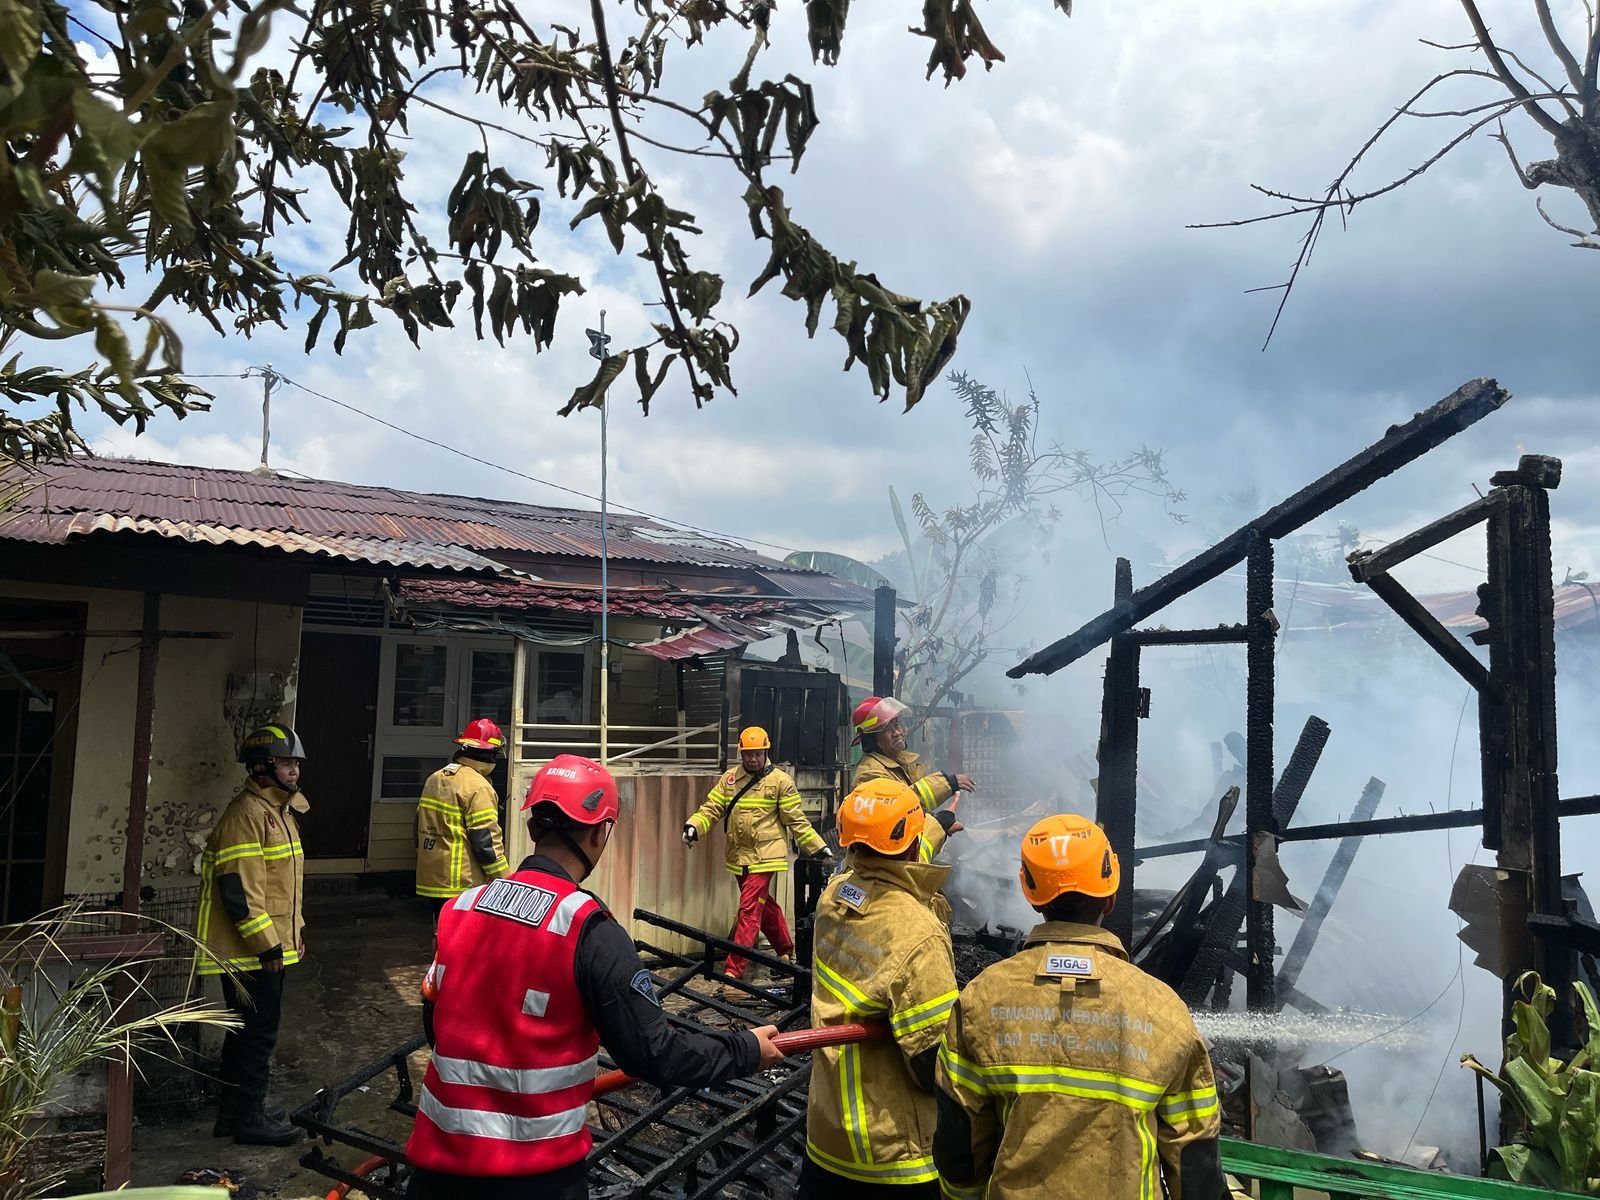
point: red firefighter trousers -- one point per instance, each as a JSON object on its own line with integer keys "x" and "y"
{"x": 758, "y": 913}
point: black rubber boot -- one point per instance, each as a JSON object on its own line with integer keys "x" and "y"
{"x": 256, "y": 1128}
{"x": 228, "y": 1121}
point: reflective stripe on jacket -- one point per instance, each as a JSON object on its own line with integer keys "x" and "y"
{"x": 931, "y": 787}
{"x": 515, "y": 1053}
{"x": 1068, "y": 1072}
{"x": 759, "y": 819}
{"x": 252, "y": 874}
{"x": 879, "y": 954}
{"x": 458, "y": 830}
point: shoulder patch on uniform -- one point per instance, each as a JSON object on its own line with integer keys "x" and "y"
{"x": 645, "y": 986}
{"x": 855, "y": 897}
{"x": 450, "y": 768}
{"x": 1068, "y": 964}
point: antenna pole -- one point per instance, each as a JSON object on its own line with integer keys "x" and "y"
{"x": 605, "y": 591}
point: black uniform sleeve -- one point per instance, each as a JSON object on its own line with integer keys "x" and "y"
{"x": 946, "y": 818}
{"x": 234, "y": 902}
{"x": 621, "y": 1001}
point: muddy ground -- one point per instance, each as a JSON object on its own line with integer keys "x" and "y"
{"x": 355, "y": 996}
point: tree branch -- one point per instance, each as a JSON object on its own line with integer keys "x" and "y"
{"x": 1586, "y": 241}
{"x": 1512, "y": 84}
{"x": 1516, "y": 166}
{"x": 1557, "y": 44}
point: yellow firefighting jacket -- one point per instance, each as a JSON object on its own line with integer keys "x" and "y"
{"x": 879, "y": 954}
{"x": 1068, "y": 1072}
{"x": 933, "y": 790}
{"x": 931, "y": 787}
{"x": 252, "y": 874}
{"x": 759, "y": 818}
{"x": 458, "y": 830}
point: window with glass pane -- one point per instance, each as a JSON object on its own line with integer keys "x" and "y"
{"x": 403, "y": 775}
{"x": 558, "y": 689}
{"x": 491, "y": 686}
{"x": 419, "y": 677}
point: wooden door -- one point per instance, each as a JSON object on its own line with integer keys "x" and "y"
{"x": 335, "y": 716}
{"x": 41, "y": 653}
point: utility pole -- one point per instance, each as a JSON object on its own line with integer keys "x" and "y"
{"x": 597, "y": 349}
{"x": 269, "y": 380}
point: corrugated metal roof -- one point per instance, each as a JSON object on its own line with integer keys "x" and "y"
{"x": 658, "y": 602}
{"x": 242, "y": 500}
{"x": 380, "y": 551}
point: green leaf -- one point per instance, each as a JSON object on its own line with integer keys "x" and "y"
{"x": 21, "y": 39}
{"x": 905, "y": 540}
{"x": 841, "y": 566}
{"x": 52, "y": 288}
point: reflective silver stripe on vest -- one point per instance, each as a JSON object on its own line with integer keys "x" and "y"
{"x": 524, "y": 1081}
{"x": 561, "y": 919}
{"x": 502, "y": 1126}
{"x": 535, "y": 1003}
{"x": 435, "y": 976}
{"x": 470, "y": 897}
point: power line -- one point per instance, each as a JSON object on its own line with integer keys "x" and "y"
{"x": 360, "y": 412}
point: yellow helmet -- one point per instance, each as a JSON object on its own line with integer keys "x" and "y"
{"x": 754, "y": 738}
{"x": 1067, "y": 853}
{"x": 884, "y": 814}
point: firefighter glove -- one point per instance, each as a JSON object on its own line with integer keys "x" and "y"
{"x": 691, "y": 835}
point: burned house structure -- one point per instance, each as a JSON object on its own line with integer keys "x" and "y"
{"x": 1214, "y": 938}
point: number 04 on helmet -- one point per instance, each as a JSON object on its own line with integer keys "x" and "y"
{"x": 882, "y": 813}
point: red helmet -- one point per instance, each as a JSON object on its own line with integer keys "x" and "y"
{"x": 873, "y": 713}
{"x": 581, "y": 788}
{"x": 482, "y": 734}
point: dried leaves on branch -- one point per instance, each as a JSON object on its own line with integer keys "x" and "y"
{"x": 143, "y": 144}
{"x": 1563, "y": 103}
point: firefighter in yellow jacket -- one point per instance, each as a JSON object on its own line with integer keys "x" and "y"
{"x": 1066, "y": 1071}
{"x": 251, "y": 920}
{"x": 756, "y": 803}
{"x": 884, "y": 756}
{"x": 458, "y": 819}
{"x": 879, "y": 954}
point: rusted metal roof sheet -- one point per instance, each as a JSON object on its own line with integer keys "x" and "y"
{"x": 380, "y": 551}
{"x": 242, "y": 500}
{"x": 660, "y": 602}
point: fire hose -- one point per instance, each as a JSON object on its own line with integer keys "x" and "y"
{"x": 799, "y": 1041}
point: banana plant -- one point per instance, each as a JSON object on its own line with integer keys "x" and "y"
{"x": 1556, "y": 1102}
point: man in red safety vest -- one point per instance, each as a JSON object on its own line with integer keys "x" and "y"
{"x": 531, "y": 976}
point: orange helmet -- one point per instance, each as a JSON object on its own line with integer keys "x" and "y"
{"x": 482, "y": 734}
{"x": 873, "y": 713}
{"x": 884, "y": 814}
{"x": 754, "y": 738}
{"x": 1067, "y": 853}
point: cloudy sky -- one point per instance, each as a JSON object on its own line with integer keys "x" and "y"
{"x": 1054, "y": 191}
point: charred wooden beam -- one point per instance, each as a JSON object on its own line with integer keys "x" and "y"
{"x": 1332, "y": 880}
{"x": 1367, "y": 564}
{"x": 1443, "y": 643}
{"x": 1454, "y": 818}
{"x": 1464, "y": 407}
{"x": 1116, "y": 792}
{"x": 1222, "y": 635}
{"x": 1229, "y": 914}
{"x": 1261, "y": 810}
